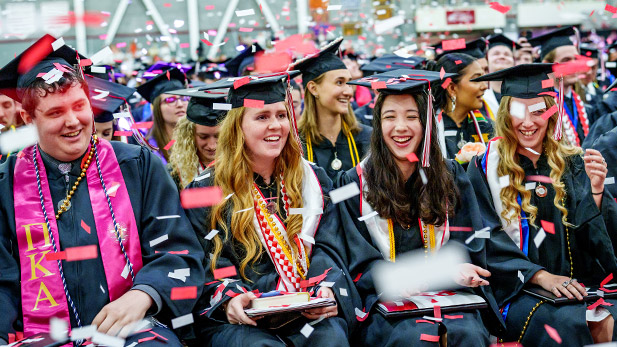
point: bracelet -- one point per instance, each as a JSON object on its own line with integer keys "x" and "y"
{"x": 600, "y": 193}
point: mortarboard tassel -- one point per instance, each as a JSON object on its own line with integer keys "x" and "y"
{"x": 426, "y": 147}
{"x": 294, "y": 124}
{"x": 560, "y": 110}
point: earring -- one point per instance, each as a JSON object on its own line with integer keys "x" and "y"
{"x": 453, "y": 103}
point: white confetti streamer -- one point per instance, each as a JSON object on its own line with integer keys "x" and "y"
{"x": 530, "y": 185}
{"x": 536, "y": 107}
{"x": 220, "y": 106}
{"x": 539, "y": 238}
{"x": 159, "y": 240}
{"x": 168, "y": 217}
{"x": 97, "y": 69}
{"x": 307, "y": 330}
{"x": 58, "y": 329}
{"x": 368, "y": 216}
{"x": 107, "y": 340}
{"x": 101, "y": 55}
{"x": 609, "y": 180}
{"x": 345, "y": 192}
{"x": 343, "y": 291}
{"x": 520, "y": 276}
{"x": 242, "y": 13}
{"x": 517, "y": 109}
{"x": 83, "y": 332}
{"x": 22, "y": 137}
{"x": 504, "y": 181}
{"x": 211, "y": 234}
{"x": 57, "y": 44}
{"x": 182, "y": 321}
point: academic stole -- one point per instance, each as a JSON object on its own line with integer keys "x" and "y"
{"x": 273, "y": 233}
{"x": 379, "y": 228}
{"x": 579, "y": 112}
{"x": 42, "y": 290}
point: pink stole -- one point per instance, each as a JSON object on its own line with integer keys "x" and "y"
{"x": 42, "y": 290}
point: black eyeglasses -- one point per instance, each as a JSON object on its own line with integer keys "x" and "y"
{"x": 172, "y": 99}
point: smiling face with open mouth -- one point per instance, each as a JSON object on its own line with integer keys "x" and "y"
{"x": 265, "y": 131}
{"x": 64, "y": 123}
{"x": 531, "y": 129}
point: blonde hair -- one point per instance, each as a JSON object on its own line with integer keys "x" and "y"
{"x": 234, "y": 174}
{"x": 158, "y": 131}
{"x": 184, "y": 161}
{"x": 556, "y": 153}
{"x": 308, "y": 125}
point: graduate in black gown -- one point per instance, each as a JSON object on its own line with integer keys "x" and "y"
{"x": 458, "y": 102}
{"x": 104, "y": 108}
{"x": 392, "y": 185}
{"x": 607, "y": 145}
{"x": 73, "y": 190}
{"x": 271, "y": 245}
{"x": 560, "y": 226}
{"x": 604, "y": 123}
{"x": 332, "y": 137}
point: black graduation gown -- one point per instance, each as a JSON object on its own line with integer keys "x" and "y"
{"x": 593, "y": 257}
{"x": 601, "y": 126}
{"x": 152, "y": 194}
{"x": 606, "y": 143}
{"x": 364, "y": 114}
{"x": 214, "y": 327}
{"x": 323, "y": 152}
{"x": 607, "y": 105}
{"x": 467, "y": 132}
{"x": 364, "y": 254}
{"x": 569, "y": 103}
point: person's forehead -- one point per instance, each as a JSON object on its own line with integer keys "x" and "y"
{"x": 4, "y": 98}
{"x": 60, "y": 98}
{"x": 499, "y": 49}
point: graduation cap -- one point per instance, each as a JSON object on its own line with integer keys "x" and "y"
{"x": 269, "y": 88}
{"x": 211, "y": 70}
{"x": 39, "y": 58}
{"x": 552, "y": 40}
{"x": 409, "y": 81}
{"x": 475, "y": 48}
{"x": 521, "y": 81}
{"x": 241, "y": 62}
{"x": 502, "y": 40}
{"x": 589, "y": 51}
{"x": 106, "y": 97}
{"x": 319, "y": 63}
{"x": 172, "y": 79}
{"x": 201, "y": 109}
{"x": 392, "y": 62}
{"x": 161, "y": 66}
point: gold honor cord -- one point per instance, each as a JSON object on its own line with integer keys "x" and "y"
{"x": 428, "y": 237}
{"x": 353, "y": 150}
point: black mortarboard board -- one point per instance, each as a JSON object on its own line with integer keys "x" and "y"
{"x": 161, "y": 84}
{"x": 237, "y": 65}
{"x": 475, "y": 48}
{"x": 392, "y": 62}
{"x": 589, "y": 51}
{"x": 521, "y": 81}
{"x": 211, "y": 70}
{"x": 38, "y": 58}
{"x": 270, "y": 88}
{"x": 410, "y": 81}
{"x": 104, "y": 108}
{"x": 201, "y": 107}
{"x": 551, "y": 40}
{"x": 319, "y": 63}
{"x": 502, "y": 40}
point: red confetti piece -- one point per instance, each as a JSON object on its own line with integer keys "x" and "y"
{"x": 439, "y": 116}
{"x": 606, "y": 280}
{"x": 458, "y": 316}
{"x": 570, "y": 68}
{"x": 446, "y": 83}
{"x": 185, "y": 45}
{"x": 362, "y": 319}
{"x": 20, "y": 154}
{"x": 437, "y": 311}
{"x": 598, "y": 303}
{"x": 429, "y": 338}
{"x": 442, "y": 73}
{"x": 201, "y": 197}
{"x": 548, "y": 83}
{"x": 209, "y": 7}
{"x": 499, "y": 7}
{"x": 553, "y": 94}
{"x": 225, "y": 272}
{"x": 230, "y": 293}
{"x": 142, "y": 125}
{"x": 242, "y": 81}
{"x": 123, "y": 133}
{"x": 146, "y": 339}
{"x": 55, "y": 256}
{"x": 611, "y": 9}
{"x": 458, "y": 62}
{"x": 185, "y": 251}
{"x": 253, "y": 103}
{"x": 208, "y": 43}
{"x": 424, "y": 321}
{"x": 548, "y": 227}
{"x": 412, "y": 157}
{"x": 82, "y": 253}
{"x": 317, "y": 279}
{"x": 449, "y": 45}
{"x": 552, "y": 333}
{"x": 167, "y": 74}
{"x": 168, "y": 146}
{"x": 455, "y": 228}
{"x": 378, "y": 85}
{"x": 272, "y": 62}
{"x": 85, "y": 226}
{"x": 166, "y": 4}
{"x": 183, "y": 293}
{"x": 85, "y": 62}
{"x": 35, "y": 54}
{"x": 355, "y": 280}
{"x": 550, "y": 112}
{"x": 245, "y": 30}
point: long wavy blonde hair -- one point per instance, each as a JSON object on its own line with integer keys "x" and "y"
{"x": 183, "y": 159}
{"x": 308, "y": 126}
{"x": 556, "y": 153}
{"x": 234, "y": 174}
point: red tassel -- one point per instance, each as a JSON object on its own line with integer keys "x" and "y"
{"x": 426, "y": 148}
{"x": 559, "y": 125}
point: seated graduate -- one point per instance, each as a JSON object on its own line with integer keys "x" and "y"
{"x": 603, "y": 124}
{"x": 458, "y": 103}
{"x": 196, "y": 135}
{"x": 333, "y": 138}
{"x": 535, "y": 185}
{"x": 72, "y": 190}
{"x": 260, "y": 169}
{"x": 167, "y": 109}
{"x": 606, "y": 144}
{"x": 413, "y": 214}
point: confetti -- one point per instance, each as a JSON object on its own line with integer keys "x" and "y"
{"x": 530, "y": 185}
{"x": 182, "y": 321}
{"x": 536, "y": 107}
{"x": 168, "y": 217}
{"x": 220, "y": 106}
{"x": 437, "y": 311}
{"x": 142, "y": 125}
{"x": 334, "y": 7}
{"x": 168, "y": 146}
{"x": 253, "y": 103}
{"x": 378, "y": 85}
{"x": 485, "y": 233}
{"x": 22, "y": 137}
{"x": 97, "y": 69}
{"x": 202, "y": 177}
{"x": 81, "y": 253}
{"x": 307, "y": 330}
{"x": 609, "y": 180}
{"x": 517, "y": 109}
{"x": 125, "y": 271}
{"x": 368, "y": 216}
{"x": 85, "y": 226}
{"x": 360, "y": 314}
{"x": 539, "y": 238}
{"x": 211, "y": 234}
{"x": 442, "y": 73}
{"x": 242, "y": 81}
{"x": 504, "y": 181}
{"x": 159, "y": 240}
{"x": 552, "y": 333}
{"x": 606, "y": 280}
{"x": 412, "y": 157}
{"x": 57, "y": 44}
{"x": 306, "y": 212}
{"x": 532, "y": 151}
{"x": 548, "y": 227}
{"x": 225, "y": 272}
{"x": 611, "y": 9}
{"x": 208, "y": 43}
{"x": 245, "y": 30}
{"x": 124, "y": 114}
{"x": 449, "y": 45}
{"x": 113, "y": 189}
{"x": 83, "y": 333}
{"x": 521, "y": 276}
{"x": 499, "y": 7}
{"x": 183, "y": 293}
{"x": 343, "y": 291}
{"x": 430, "y": 338}
{"x": 327, "y": 284}
{"x": 180, "y": 274}
{"x": 242, "y": 13}
{"x": 446, "y": 83}
{"x": 386, "y": 25}
{"x": 200, "y": 197}
{"x": 423, "y": 176}
{"x": 101, "y": 55}
{"x": 345, "y": 192}
{"x": 123, "y": 133}
{"x": 58, "y": 329}
{"x": 539, "y": 178}
{"x": 458, "y": 316}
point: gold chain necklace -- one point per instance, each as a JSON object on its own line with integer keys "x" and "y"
{"x": 67, "y": 200}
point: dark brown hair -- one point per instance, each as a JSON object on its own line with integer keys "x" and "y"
{"x": 158, "y": 131}
{"x": 387, "y": 193}
{"x": 40, "y": 89}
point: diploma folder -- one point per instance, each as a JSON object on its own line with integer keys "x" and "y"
{"x": 424, "y": 303}
{"x": 549, "y": 297}
{"x": 292, "y": 307}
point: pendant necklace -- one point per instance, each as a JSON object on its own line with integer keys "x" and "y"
{"x": 336, "y": 164}
{"x": 541, "y": 190}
